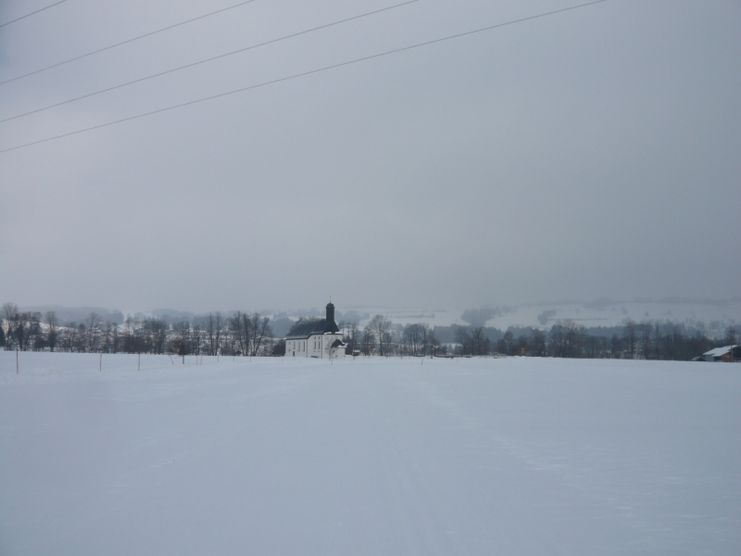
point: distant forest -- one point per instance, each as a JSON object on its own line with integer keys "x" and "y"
{"x": 245, "y": 334}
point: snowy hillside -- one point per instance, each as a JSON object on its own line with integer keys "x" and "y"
{"x": 713, "y": 316}
{"x": 376, "y": 456}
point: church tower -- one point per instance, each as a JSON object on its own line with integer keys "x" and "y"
{"x": 330, "y": 314}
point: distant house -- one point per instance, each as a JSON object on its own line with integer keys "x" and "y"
{"x": 319, "y": 338}
{"x": 727, "y": 354}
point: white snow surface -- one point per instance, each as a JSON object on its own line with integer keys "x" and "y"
{"x": 371, "y": 456}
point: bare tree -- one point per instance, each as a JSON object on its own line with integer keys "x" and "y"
{"x": 213, "y": 332}
{"x": 22, "y": 330}
{"x": 196, "y": 338}
{"x": 479, "y": 342}
{"x": 630, "y": 334}
{"x": 51, "y": 333}
{"x": 473, "y": 340}
{"x": 156, "y": 332}
{"x": 260, "y": 327}
{"x": 537, "y": 343}
{"x": 506, "y": 343}
{"x": 413, "y": 338}
{"x": 645, "y": 339}
{"x": 35, "y": 336}
{"x": 181, "y": 342}
{"x": 236, "y": 329}
{"x": 115, "y": 340}
{"x": 432, "y": 344}
{"x": 351, "y": 335}
{"x": 106, "y": 343}
{"x": 566, "y": 339}
{"x": 730, "y": 336}
{"x": 369, "y": 342}
{"x": 10, "y": 311}
{"x": 380, "y": 327}
{"x": 93, "y": 331}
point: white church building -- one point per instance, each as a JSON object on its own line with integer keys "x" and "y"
{"x": 319, "y": 338}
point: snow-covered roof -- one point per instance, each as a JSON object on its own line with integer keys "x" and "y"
{"x": 305, "y": 328}
{"x": 720, "y": 351}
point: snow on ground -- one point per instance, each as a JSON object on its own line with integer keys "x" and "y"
{"x": 376, "y": 456}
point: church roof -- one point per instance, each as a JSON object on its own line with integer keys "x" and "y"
{"x": 306, "y": 327}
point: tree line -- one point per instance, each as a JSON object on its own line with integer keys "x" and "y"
{"x": 212, "y": 334}
{"x": 242, "y": 333}
{"x": 631, "y": 340}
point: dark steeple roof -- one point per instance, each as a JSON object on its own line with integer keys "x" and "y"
{"x": 306, "y": 327}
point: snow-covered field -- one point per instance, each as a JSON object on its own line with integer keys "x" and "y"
{"x": 379, "y": 456}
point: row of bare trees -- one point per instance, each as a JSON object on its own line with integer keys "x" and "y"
{"x": 632, "y": 340}
{"x": 249, "y": 331}
{"x": 212, "y": 334}
{"x": 24, "y": 330}
{"x": 381, "y": 337}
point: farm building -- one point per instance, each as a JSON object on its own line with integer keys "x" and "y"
{"x": 727, "y": 354}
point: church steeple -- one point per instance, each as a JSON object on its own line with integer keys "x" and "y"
{"x": 330, "y": 313}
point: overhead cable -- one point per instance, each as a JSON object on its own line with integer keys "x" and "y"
{"x": 123, "y": 42}
{"x": 303, "y": 74}
{"x": 206, "y": 60}
{"x": 6, "y": 23}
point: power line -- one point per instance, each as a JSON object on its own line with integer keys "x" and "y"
{"x": 121, "y": 43}
{"x": 206, "y": 60}
{"x": 304, "y": 74}
{"x": 32, "y": 13}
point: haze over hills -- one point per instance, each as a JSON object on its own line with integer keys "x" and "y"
{"x": 712, "y": 317}
{"x": 78, "y": 314}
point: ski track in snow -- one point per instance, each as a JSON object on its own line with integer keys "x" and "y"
{"x": 372, "y": 456}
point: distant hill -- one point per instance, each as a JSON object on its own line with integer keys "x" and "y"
{"x": 67, "y": 315}
{"x": 712, "y": 317}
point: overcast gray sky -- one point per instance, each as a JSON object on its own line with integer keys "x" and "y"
{"x": 591, "y": 153}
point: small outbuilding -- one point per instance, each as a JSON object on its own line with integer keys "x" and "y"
{"x": 726, "y": 354}
{"x": 318, "y": 338}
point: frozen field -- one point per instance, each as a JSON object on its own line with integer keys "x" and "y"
{"x": 379, "y": 457}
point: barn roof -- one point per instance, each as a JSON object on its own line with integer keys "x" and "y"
{"x": 720, "y": 351}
